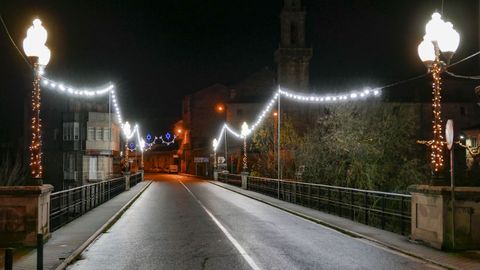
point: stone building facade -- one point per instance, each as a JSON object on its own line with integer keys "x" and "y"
{"x": 292, "y": 57}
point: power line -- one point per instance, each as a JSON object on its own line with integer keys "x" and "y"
{"x": 474, "y": 77}
{"x": 13, "y": 42}
{"x": 464, "y": 59}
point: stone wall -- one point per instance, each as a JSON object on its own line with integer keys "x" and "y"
{"x": 24, "y": 212}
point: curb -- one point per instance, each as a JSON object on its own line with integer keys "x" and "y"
{"x": 337, "y": 228}
{"x": 107, "y": 224}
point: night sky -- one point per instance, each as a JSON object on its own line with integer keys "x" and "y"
{"x": 156, "y": 52}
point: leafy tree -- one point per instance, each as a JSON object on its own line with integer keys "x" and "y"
{"x": 369, "y": 146}
{"x": 12, "y": 170}
{"x": 264, "y": 142}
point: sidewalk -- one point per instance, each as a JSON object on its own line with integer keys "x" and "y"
{"x": 67, "y": 242}
{"x": 459, "y": 260}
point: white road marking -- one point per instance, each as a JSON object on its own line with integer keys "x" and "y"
{"x": 240, "y": 249}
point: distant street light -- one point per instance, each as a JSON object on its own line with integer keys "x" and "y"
{"x": 142, "y": 147}
{"x": 440, "y": 40}
{"x": 244, "y": 134}
{"x": 39, "y": 56}
{"x": 215, "y": 144}
{"x": 127, "y": 132}
{"x": 221, "y": 108}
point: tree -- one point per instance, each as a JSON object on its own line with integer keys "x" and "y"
{"x": 369, "y": 146}
{"x": 264, "y": 142}
{"x": 12, "y": 170}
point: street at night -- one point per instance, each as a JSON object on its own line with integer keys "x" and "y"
{"x": 181, "y": 222}
{"x": 272, "y": 134}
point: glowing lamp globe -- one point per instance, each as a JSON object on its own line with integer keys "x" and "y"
{"x": 435, "y": 28}
{"x": 126, "y": 129}
{"x": 449, "y": 41}
{"x": 426, "y": 52}
{"x": 141, "y": 144}
{"x": 244, "y": 131}
{"x": 34, "y": 43}
{"x": 214, "y": 144}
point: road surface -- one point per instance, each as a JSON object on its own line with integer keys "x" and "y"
{"x": 181, "y": 222}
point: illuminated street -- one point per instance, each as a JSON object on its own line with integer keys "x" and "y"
{"x": 272, "y": 134}
{"x": 167, "y": 228}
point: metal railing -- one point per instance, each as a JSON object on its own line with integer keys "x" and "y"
{"x": 232, "y": 179}
{"x": 69, "y": 204}
{"x": 385, "y": 210}
{"x": 135, "y": 179}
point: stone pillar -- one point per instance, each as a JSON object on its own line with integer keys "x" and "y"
{"x": 432, "y": 216}
{"x": 244, "y": 180}
{"x": 24, "y": 213}
{"x": 215, "y": 175}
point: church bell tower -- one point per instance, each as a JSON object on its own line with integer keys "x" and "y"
{"x": 292, "y": 57}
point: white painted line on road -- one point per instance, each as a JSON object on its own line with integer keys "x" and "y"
{"x": 227, "y": 234}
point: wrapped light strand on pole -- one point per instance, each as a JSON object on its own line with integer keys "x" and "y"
{"x": 245, "y": 132}
{"x": 39, "y": 56}
{"x": 440, "y": 40}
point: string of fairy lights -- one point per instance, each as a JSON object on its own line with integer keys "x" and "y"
{"x": 313, "y": 99}
{"x": 110, "y": 90}
{"x": 438, "y": 141}
{"x": 166, "y": 139}
{"x": 36, "y": 143}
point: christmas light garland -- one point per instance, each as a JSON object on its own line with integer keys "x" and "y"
{"x": 151, "y": 140}
{"x": 86, "y": 93}
{"x": 315, "y": 99}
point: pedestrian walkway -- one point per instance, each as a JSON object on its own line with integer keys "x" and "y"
{"x": 453, "y": 260}
{"x": 71, "y": 239}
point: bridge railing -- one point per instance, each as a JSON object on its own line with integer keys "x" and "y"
{"x": 67, "y": 205}
{"x": 385, "y": 210}
{"x": 232, "y": 179}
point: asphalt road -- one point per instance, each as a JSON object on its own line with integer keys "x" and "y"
{"x": 183, "y": 223}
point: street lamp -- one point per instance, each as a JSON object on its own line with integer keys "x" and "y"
{"x": 127, "y": 132}
{"x": 440, "y": 40}
{"x": 39, "y": 56}
{"x": 215, "y": 144}
{"x": 244, "y": 134}
{"x": 142, "y": 147}
{"x": 221, "y": 108}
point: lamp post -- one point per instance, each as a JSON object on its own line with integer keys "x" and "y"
{"x": 221, "y": 108}
{"x": 440, "y": 42}
{"x": 39, "y": 56}
{"x": 142, "y": 147}
{"x": 244, "y": 134}
{"x": 126, "y": 131}
{"x": 215, "y": 144}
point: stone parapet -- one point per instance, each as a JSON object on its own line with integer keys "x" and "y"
{"x": 432, "y": 216}
{"x": 24, "y": 213}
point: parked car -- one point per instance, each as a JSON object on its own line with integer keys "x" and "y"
{"x": 172, "y": 168}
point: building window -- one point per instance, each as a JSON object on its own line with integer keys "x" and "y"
{"x": 293, "y": 34}
{"x": 70, "y": 131}
{"x": 106, "y": 134}
{"x": 98, "y": 134}
{"x": 56, "y": 133}
{"x": 69, "y": 162}
{"x": 91, "y": 134}
{"x": 76, "y": 131}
